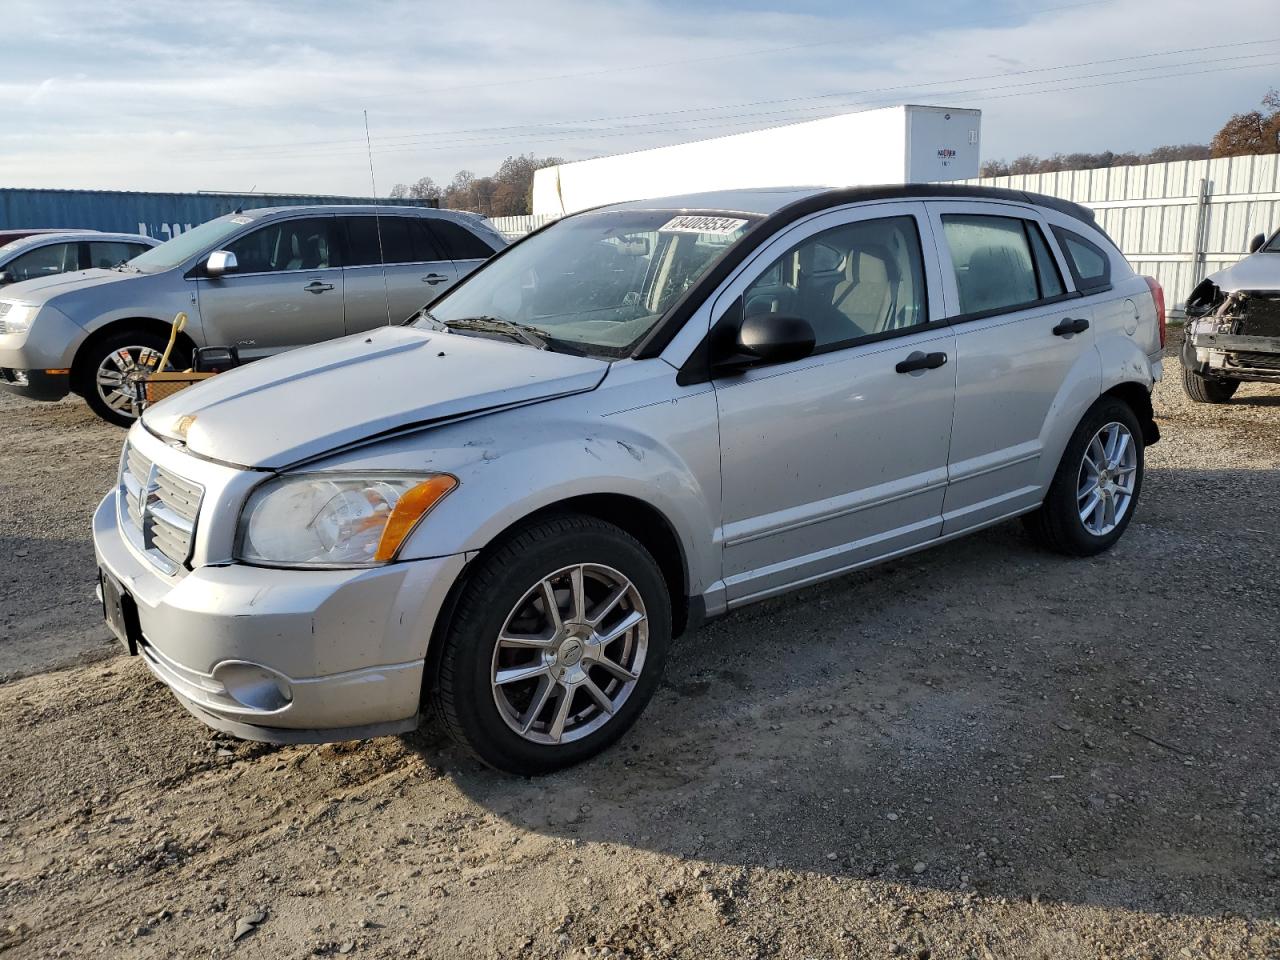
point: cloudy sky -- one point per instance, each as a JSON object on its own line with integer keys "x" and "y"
{"x": 246, "y": 94}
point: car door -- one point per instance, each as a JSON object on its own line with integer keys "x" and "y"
{"x": 834, "y": 460}
{"x": 463, "y": 248}
{"x": 285, "y": 291}
{"x": 394, "y": 268}
{"x": 1024, "y": 354}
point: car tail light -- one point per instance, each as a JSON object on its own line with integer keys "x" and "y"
{"x": 1157, "y": 294}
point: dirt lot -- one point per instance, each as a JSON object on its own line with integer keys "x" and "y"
{"x": 982, "y": 751}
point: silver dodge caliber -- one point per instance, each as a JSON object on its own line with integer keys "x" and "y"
{"x": 632, "y": 420}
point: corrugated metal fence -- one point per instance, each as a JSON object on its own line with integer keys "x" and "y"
{"x": 513, "y": 228}
{"x": 1177, "y": 222}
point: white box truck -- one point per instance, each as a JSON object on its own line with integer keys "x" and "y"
{"x": 904, "y": 144}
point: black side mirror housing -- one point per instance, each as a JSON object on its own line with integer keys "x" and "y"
{"x": 765, "y": 338}
{"x": 1256, "y": 243}
{"x": 5, "y": 277}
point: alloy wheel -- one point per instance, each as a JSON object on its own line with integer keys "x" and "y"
{"x": 1108, "y": 473}
{"x": 118, "y": 378}
{"x": 570, "y": 653}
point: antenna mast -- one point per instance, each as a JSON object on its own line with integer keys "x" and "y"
{"x": 377, "y": 220}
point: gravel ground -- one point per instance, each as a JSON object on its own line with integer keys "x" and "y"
{"x": 982, "y": 751}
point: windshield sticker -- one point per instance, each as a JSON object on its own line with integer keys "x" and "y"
{"x": 242, "y": 219}
{"x": 693, "y": 224}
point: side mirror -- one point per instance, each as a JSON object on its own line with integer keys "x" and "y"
{"x": 220, "y": 262}
{"x": 215, "y": 359}
{"x": 776, "y": 337}
{"x": 1256, "y": 243}
{"x": 5, "y": 277}
{"x": 764, "y": 338}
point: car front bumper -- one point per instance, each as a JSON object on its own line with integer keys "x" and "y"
{"x": 283, "y": 655}
{"x": 36, "y": 384}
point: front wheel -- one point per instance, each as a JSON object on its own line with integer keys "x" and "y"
{"x": 1095, "y": 490}
{"x": 109, "y": 372}
{"x": 1204, "y": 390}
{"x": 556, "y": 645}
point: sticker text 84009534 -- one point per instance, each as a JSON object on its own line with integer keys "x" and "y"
{"x": 697, "y": 224}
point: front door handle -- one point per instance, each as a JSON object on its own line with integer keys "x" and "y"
{"x": 921, "y": 361}
{"x": 316, "y": 286}
{"x": 1069, "y": 325}
{"x": 434, "y": 278}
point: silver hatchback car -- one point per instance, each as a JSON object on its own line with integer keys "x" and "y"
{"x": 262, "y": 281}
{"x": 632, "y": 420}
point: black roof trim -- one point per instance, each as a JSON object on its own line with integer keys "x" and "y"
{"x": 662, "y": 333}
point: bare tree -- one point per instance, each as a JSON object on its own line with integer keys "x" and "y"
{"x": 1255, "y": 132}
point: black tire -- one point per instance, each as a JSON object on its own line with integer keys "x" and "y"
{"x": 1206, "y": 390}
{"x": 461, "y": 693}
{"x": 97, "y": 352}
{"x": 1057, "y": 524}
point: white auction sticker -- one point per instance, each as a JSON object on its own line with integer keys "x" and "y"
{"x": 242, "y": 220}
{"x": 696, "y": 224}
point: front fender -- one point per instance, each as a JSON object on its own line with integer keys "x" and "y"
{"x": 513, "y": 464}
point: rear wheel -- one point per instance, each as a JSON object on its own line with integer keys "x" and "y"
{"x": 1204, "y": 390}
{"x": 1096, "y": 486}
{"x": 109, "y": 370}
{"x": 557, "y": 643}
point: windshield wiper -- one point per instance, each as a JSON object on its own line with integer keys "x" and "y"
{"x": 517, "y": 331}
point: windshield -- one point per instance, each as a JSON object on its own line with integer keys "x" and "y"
{"x": 596, "y": 281}
{"x": 184, "y": 246}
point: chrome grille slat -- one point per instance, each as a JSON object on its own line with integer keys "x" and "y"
{"x": 159, "y": 510}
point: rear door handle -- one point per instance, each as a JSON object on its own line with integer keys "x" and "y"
{"x": 434, "y": 278}
{"x": 1069, "y": 325}
{"x": 315, "y": 286}
{"x": 921, "y": 361}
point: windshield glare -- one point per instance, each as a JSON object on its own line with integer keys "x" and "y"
{"x": 599, "y": 281}
{"x": 184, "y": 246}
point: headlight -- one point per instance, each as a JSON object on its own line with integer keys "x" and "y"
{"x": 335, "y": 520}
{"x": 16, "y": 317}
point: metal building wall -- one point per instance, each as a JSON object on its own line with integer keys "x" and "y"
{"x": 1176, "y": 221}
{"x": 160, "y": 215}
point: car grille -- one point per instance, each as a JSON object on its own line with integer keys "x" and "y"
{"x": 1257, "y": 361}
{"x": 158, "y": 510}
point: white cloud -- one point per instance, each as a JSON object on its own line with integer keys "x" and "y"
{"x": 239, "y": 94}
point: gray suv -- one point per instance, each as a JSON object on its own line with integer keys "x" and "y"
{"x": 262, "y": 281}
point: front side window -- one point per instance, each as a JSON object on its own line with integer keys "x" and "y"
{"x": 44, "y": 262}
{"x": 1089, "y": 263}
{"x": 106, "y": 254}
{"x": 285, "y": 245}
{"x": 858, "y": 280}
{"x": 1000, "y": 263}
{"x": 597, "y": 281}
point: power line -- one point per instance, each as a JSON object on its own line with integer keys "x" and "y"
{"x": 526, "y": 131}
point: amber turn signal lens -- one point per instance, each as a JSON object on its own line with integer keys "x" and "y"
{"x": 415, "y": 504}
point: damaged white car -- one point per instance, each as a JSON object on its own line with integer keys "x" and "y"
{"x": 1233, "y": 326}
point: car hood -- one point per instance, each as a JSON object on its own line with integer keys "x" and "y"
{"x": 308, "y": 402}
{"x": 44, "y": 289}
{"x": 1260, "y": 271}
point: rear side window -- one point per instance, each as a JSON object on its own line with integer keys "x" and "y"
{"x": 1089, "y": 263}
{"x": 108, "y": 254}
{"x": 404, "y": 240}
{"x": 1001, "y": 263}
{"x": 457, "y": 242}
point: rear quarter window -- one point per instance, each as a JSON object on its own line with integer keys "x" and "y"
{"x": 1089, "y": 264}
